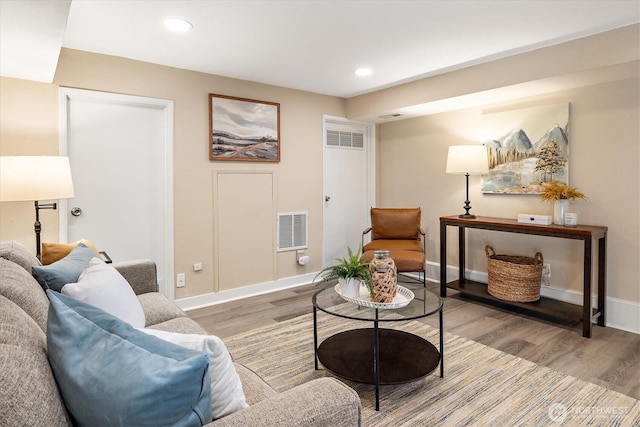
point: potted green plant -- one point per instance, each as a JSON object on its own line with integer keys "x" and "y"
{"x": 560, "y": 194}
{"x": 351, "y": 272}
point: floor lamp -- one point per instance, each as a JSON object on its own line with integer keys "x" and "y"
{"x": 33, "y": 178}
{"x": 467, "y": 160}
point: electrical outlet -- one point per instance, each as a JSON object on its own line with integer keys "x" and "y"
{"x": 546, "y": 274}
{"x": 181, "y": 280}
{"x": 197, "y": 266}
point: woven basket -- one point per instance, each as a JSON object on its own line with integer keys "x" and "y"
{"x": 514, "y": 278}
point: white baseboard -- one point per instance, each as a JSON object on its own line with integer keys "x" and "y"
{"x": 620, "y": 314}
{"x": 213, "y": 298}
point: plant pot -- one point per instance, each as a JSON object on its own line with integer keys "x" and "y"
{"x": 559, "y": 208}
{"x": 350, "y": 287}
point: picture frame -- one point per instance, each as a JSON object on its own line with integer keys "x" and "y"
{"x": 527, "y": 147}
{"x": 242, "y": 129}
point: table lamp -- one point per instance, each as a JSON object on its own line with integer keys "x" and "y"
{"x": 33, "y": 178}
{"x": 467, "y": 160}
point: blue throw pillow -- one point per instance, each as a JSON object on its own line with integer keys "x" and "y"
{"x": 67, "y": 270}
{"x": 110, "y": 374}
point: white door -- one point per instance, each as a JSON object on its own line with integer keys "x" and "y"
{"x": 348, "y": 185}
{"x": 120, "y": 151}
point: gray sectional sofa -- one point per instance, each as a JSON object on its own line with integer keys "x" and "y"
{"x": 29, "y": 395}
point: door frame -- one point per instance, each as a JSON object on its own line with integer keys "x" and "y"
{"x": 166, "y": 106}
{"x": 370, "y": 151}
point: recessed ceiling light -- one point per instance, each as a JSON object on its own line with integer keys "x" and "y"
{"x": 177, "y": 25}
{"x": 363, "y": 72}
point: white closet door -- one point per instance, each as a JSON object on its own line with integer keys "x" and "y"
{"x": 348, "y": 186}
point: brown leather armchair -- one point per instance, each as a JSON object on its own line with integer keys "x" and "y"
{"x": 398, "y": 231}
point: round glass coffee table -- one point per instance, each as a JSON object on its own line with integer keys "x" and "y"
{"x": 378, "y": 356}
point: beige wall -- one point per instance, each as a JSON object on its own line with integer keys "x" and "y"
{"x": 28, "y": 126}
{"x": 28, "y": 122}
{"x": 597, "y": 76}
{"x": 605, "y": 160}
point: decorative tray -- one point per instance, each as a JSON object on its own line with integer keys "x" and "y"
{"x": 403, "y": 297}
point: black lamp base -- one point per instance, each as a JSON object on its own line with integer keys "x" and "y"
{"x": 467, "y": 203}
{"x": 37, "y": 226}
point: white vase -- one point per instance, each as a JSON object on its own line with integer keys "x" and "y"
{"x": 350, "y": 287}
{"x": 559, "y": 208}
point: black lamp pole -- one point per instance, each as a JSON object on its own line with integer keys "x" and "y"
{"x": 37, "y": 227}
{"x": 467, "y": 203}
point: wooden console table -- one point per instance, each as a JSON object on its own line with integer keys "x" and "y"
{"x": 546, "y": 307}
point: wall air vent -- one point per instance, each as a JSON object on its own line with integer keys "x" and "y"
{"x": 344, "y": 139}
{"x": 292, "y": 231}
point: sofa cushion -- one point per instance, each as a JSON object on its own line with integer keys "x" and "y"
{"x": 393, "y": 244}
{"x": 67, "y": 270}
{"x": 227, "y": 396}
{"x": 17, "y": 285}
{"x": 15, "y": 252}
{"x": 141, "y": 275}
{"x": 182, "y": 325}
{"x": 255, "y": 388}
{"x": 52, "y": 252}
{"x": 148, "y": 381}
{"x": 157, "y": 308}
{"x": 395, "y": 223}
{"x": 28, "y": 393}
{"x": 102, "y": 286}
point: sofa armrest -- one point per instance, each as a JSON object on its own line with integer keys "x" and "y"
{"x": 321, "y": 402}
{"x": 140, "y": 274}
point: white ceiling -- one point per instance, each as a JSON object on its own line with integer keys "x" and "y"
{"x": 308, "y": 45}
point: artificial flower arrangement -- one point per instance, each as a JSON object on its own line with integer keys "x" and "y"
{"x": 555, "y": 190}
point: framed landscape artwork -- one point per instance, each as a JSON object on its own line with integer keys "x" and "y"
{"x": 527, "y": 147}
{"x": 243, "y": 129}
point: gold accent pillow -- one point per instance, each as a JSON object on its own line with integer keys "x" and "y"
{"x": 52, "y": 252}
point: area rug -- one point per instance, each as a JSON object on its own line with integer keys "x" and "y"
{"x": 481, "y": 386}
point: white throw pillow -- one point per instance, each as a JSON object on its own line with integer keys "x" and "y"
{"x": 227, "y": 395}
{"x": 102, "y": 286}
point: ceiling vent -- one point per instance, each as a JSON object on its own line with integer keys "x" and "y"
{"x": 390, "y": 116}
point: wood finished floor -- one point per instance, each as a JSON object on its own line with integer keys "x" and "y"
{"x": 611, "y": 358}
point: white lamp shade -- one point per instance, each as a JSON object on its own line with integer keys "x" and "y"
{"x": 32, "y": 178}
{"x": 471, "y": 159}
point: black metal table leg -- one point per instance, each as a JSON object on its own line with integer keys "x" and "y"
{"x": 315, "y": 337}
{"x": 441, "y": 344}
{"x": 376, "y": 359}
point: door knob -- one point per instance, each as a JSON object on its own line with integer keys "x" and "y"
{"x": 327, "y": 198}
{"x": 76, "y": 211}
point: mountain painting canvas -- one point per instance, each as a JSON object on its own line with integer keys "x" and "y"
{"x": 526, "y": 147}
{"x": 243, "y": 129}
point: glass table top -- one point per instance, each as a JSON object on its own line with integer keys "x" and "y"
{"x": 424, "y": 304}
